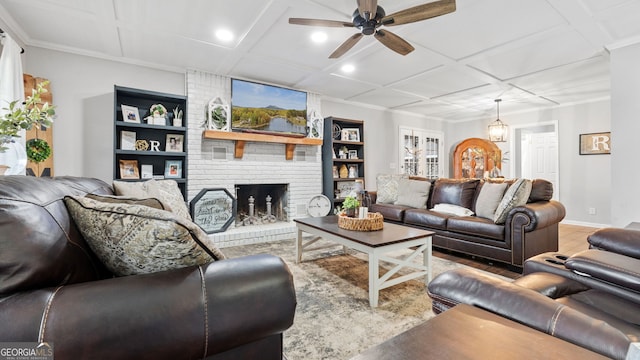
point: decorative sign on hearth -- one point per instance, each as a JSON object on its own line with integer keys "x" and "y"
{"x": 213, "y": 209}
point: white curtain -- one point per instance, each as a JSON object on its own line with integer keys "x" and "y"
{"x": 11, "y": 89}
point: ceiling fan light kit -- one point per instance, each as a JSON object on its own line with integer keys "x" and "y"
{"x": 369, "y": 17}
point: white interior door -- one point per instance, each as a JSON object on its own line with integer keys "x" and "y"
{"x": 420, "y": 152}
{"x": 540, "y": 158}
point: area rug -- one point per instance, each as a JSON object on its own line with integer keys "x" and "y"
{"x": 333, "y": 318}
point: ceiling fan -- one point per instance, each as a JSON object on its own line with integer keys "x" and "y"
{"x": 368, "y": 17}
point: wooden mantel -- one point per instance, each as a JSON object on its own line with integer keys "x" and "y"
{"x": 240, "y": 138}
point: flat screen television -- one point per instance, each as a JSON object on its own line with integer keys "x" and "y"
{"x": 266, "y": 108}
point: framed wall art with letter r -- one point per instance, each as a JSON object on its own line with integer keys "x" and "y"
{"x": 595, "y": 143}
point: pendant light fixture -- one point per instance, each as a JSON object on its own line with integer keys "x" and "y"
{"x": 498, "y": 129}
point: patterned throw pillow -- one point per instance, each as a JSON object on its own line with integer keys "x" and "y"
{"x": 489, "y": 198}
{"x": 517, "y": 195}
{"x": 166, "y": 190}
{"x": 114, "y": 199}
{"x": 137, "y": 239}
{"x": 387, "y": 187}
{"x": 413, "y": 193}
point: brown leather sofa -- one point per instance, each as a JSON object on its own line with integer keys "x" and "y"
{"x": 529, "y": 230}
{"x": 591, "y": 298}
{"x": 53, "y": 289}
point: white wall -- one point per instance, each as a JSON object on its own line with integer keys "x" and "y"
{"x": 625, "y": 103}
{"x": 585, "y": 180}
{"x": 75, "y": 79}
{"x": 83, "y": 91}
{"x": 381, "y": 131}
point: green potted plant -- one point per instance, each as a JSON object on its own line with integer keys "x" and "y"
{"x": 350, "y": 204}
{"x": 25, "y": 115}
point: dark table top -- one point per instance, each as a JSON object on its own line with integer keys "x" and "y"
{"x": 390, "y": 233}
{"x": 467, "y": 332}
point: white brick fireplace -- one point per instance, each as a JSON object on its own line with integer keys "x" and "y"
{"x": 212, "y": 164}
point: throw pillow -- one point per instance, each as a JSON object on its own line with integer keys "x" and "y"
{"x": 541, "y": 190}
{"x": 137, "y": 239}
{"x": 166, "y": 190}
{"x": 413, "y": 193}
{"x": 150, "y": 202}
{"x": 452, "y": 209}
{"x": 387, "y": 187}
{"x": 489, "y": 198}
{"x": 517, "y": 195}
{"x": 169, "y": 192}
{"x": 454, "y": 191}
{"x": 134, "y": 189}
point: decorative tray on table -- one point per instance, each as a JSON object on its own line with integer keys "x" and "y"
{"x": 373, "y": 222}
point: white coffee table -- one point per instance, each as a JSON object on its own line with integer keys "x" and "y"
{"x": 376, "y": 244}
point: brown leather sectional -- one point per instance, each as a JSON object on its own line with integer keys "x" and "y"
{"x": 591, "y": 298}
{"x": 529, "y": 230}
{"x": 53, "y": 289}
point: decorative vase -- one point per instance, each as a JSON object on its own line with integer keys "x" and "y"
{"x": 344, "y": 172}
{"x": 350, "y": 212}
{"x": 159, "y": 120}
{"x": 177, "y": 122}
{"x": 495, "y": 172}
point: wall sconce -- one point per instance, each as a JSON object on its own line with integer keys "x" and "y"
{"x": 498, "y": 129}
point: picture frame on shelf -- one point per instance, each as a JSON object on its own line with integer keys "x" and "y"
{"x": 130, "y": 114}
{"x": 350, "y": 134}
{"x": 129, "y": 169}
{"x": 346, "y": 188}
{"x": 146, "y": 171}
{"x": 127, "y": 140}
{"x": 353, "y": 154}
{"x": 353, "y": 171}
{"x": 172, "y": 169}
{"x": 174, "y": 143}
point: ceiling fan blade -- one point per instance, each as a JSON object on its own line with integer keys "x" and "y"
{"x": 346, "y": 46}
{"x": 420, "y": 12}
{"x": 368, "y": 8}
{"x": 319, "y": 22}
{"x": 394, "y": 42}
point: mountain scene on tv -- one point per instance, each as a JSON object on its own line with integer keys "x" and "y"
{"x": 265, "y": 108}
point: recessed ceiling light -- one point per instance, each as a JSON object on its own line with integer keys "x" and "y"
{"x": 319, "y": 37}
{"x": 348, "y": 68}
{"x": 224, "y": 35}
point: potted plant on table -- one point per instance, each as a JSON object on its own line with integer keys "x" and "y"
{"x": 24, "y": 116}
{"x": 350, "y": 205}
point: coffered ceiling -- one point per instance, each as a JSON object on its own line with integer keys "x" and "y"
{"x": 531, "y": 53}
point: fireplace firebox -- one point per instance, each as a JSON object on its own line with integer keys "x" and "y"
{"x": 261, "y": 203}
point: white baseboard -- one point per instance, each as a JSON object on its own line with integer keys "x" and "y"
{"x": 583, "y": 223}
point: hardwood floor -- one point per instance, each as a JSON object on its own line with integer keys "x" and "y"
{"x": 573, "y": 238}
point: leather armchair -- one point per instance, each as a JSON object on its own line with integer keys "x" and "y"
{"x": 53, "y": 289}
{"x": 591, "y": 299}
